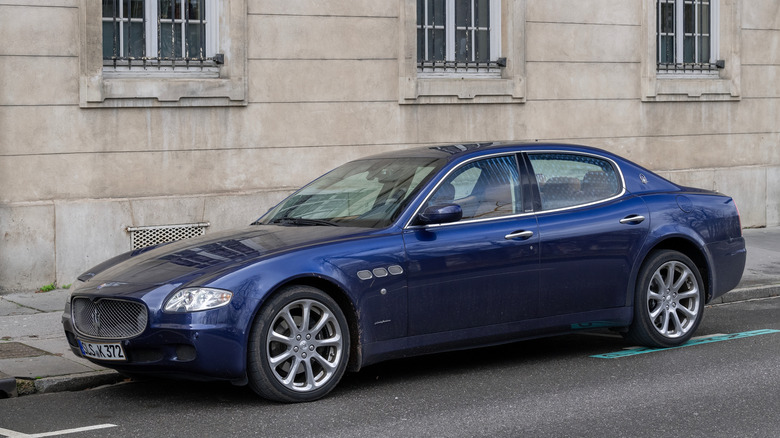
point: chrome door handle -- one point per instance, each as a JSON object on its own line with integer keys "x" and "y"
{"x": 519, "y": 235}
{"x": 633, "y": 219}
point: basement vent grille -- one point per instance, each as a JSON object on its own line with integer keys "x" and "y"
{"x": 147, "y": 236}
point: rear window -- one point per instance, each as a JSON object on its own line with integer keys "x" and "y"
{"x": 566, "y": 180}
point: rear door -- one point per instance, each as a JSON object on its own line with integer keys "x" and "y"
{"x": 590, "y": 232}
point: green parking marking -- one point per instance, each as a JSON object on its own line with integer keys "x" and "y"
{"x": 692, "y": 342}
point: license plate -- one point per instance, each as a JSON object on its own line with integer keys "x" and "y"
{"x": 102, "y": 351}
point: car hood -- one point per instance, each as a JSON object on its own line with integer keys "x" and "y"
{"x": 186, "y": 260}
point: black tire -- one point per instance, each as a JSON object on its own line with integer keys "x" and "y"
{"x": 290, "y": 362}
{"x": 668, "y": 301}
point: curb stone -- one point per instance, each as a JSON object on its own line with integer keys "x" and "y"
{"x": 77, "y": 382}
{"x": 748, "y": 293}
{"x": 80, "y": 382}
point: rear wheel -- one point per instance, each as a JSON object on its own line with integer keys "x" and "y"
{"x": 668, "y": 301}
{"x": 299, "y": 346}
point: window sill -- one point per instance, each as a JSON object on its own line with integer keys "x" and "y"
{"x": 465, "y": 74}
{"x": 108, "y": 91}
{"x": 690, "y": 88}
{"x": 120, "y": 72}
{"x": 461, "y": 89}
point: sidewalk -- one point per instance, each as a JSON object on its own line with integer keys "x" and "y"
{"x": 35, "y": 356}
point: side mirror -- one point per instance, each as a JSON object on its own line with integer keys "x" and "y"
{"x": 440, "y": 214}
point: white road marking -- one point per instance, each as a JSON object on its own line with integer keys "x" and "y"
{"x": 14, "y": 434}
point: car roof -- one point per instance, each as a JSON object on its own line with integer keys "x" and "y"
{"x": 453, "y": 152}
{"x": 638, "y": 179}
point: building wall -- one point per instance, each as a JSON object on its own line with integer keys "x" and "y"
{"x": 322, "y": 87}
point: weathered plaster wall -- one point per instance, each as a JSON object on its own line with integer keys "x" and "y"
{"x": 322, "y": 88}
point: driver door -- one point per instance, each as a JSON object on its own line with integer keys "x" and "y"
{"x": 483, "y": 269}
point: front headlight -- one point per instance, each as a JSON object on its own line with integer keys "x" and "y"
{"x": 195, "y": 299}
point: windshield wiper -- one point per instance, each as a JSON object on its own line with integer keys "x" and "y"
{"x": 303, "y": 221}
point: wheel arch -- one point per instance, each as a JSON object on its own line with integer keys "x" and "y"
{"x": 340, "y": 296}
{"x": 689, "y": 248}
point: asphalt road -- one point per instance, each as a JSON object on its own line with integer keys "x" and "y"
{"x": 549, "y": 387}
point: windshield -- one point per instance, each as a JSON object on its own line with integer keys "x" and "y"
{"x": 367, "y": 193}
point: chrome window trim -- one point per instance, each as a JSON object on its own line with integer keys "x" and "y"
{"x": 470, "y": 221}
{"x": 409, "y": 226}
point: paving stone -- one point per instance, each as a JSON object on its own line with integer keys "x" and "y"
{"x": 8, "y": 308}
{"x": 41, "y": 366}
{"x": 52, "y": 301}
{"x": 13, "y": 350}
{"x": 34, "y": 326}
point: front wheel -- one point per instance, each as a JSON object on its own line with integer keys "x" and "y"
{"x": 299, "y": 346}
{"x": 668, "y": 301}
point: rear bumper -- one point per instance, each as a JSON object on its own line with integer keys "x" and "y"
{"x": 728, "y": 264}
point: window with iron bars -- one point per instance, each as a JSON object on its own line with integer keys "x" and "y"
{"x": 161, "y": 33}
{"x": 458, "y": 35}
{"x": 687, "y": 36}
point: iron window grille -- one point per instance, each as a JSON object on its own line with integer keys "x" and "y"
{"x": 159, "y": 33}
{"x": 142, "y": 237}
{"x": 686, "y": 35}
{"x": 458, "y": 36}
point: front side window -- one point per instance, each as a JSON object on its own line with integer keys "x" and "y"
{"x": 458, "y": 35}
{"x": 158, "y": 32}
{"x": 566, "y": 180}
{"x": 483, "y": 189}
{"x": 686, "y": 35}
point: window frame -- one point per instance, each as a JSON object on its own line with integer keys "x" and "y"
{"x": 721, "y": 84}
{"x": 538, "y": 205}
{"x": 152, "y": 27}
{"x": 451, "y": 66}
{"x": 507, "y": 85}
{"x": 698, "y": 65}
{"x": 174, "y": 86}
{"x": 521, "y": 209}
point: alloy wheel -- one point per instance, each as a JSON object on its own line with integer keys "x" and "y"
{"x": 304, "y": 345}
{"x": 673, "y": 299}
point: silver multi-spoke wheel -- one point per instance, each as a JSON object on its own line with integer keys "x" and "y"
{"x": 673, "y": 299}
{"x": 304, "y": 345}
{"x": 668, "y": 302}
{"x": 299, "y": 345}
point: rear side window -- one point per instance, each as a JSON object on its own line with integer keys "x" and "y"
{"x": 566, "y": 180}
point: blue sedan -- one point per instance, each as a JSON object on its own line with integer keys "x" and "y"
{"x": 414, "y": 252}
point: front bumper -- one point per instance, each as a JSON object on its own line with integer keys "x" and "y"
{"x": 206, "y": 345}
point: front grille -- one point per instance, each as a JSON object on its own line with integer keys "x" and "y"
{"x": 108, "y": 318}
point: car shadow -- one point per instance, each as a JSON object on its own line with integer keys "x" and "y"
{"x": 433, "y": 369}
{"x": 534, "y": 352}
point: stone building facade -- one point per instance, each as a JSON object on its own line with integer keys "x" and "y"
{"x": 91, "y": 148}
